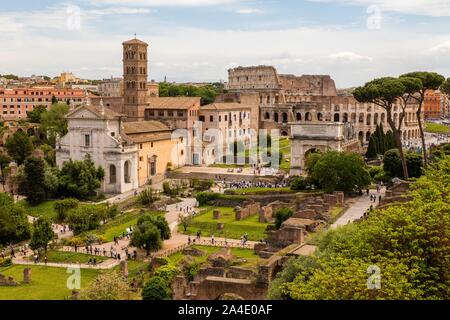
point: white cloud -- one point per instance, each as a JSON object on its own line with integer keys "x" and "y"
{"x": 437, "y": 8}
{"x": 118, "y": 10}
{"x": 166, "y": 3}
{"x": 351, "y": 57}
{"x": 441, "y": 48}
{"x": 348, "y": 56}
{"x": 248, "y": 11}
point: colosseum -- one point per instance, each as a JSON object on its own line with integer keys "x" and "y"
{"x": 286, "y": 99}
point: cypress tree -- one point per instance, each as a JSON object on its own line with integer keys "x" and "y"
{"x": 372, "y": 149}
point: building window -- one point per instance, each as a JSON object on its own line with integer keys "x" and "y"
{"x": 127, "y": 172}
{"x": 140, "y": 159}
{"x": 112, "y": 174}
{"x": 211, "y": 118}
{"x": 151, "y": 145}
{"x": 87, "y": 140}
{"x": 153, "y": 167}
{"x": 113, "y": 134}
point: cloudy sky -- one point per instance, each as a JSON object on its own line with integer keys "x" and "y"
{"x": 198, "y": 40}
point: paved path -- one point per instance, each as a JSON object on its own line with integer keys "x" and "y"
{"x": 175, "y": 243}
{"x": 107, "y": 264}
{"x": 357, "y": 210}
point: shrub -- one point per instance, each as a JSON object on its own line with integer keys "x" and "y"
{"x": 299, "y": 183}
{"x": 112, "y": 211}
{"x": 281, "y": 216}
{"x": 202, "y": 185}
{"x": 148, "y": 196}
{"x": 167, "y": 272}
{"x": 205, "y": 198}
{"x": 375, "y": 170}
{"x": 192, "y": 270}
{"x": 5, "y": 262}
{"x": 156, "y": 289}
{"x": 85, "y": 218}
{"x": 62, "y": 208}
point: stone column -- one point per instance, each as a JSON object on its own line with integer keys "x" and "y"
{"x": 124, "y": 268}
{"x": 27, "y": 275}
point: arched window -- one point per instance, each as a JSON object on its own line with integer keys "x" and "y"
{"x": 336, "y": 117}
{"x": 368, "y": 136}
{"x": 267, "y": 116}
{"x": 275, "y": 117}
{"x": 308, "y": 116}
{"x": 112, "y": 174}
{"x": 345, "y": 117}
{"x": 354, "y": 117}
{"x": 127, "y": 172}
{"x": 319, "y": 116}
{"x": 361, "y": 136}
{"x": 298, "y": 116}
{"x": 285, "y": 117}
{"x": 375, "y": 119}
{"x": 361, "y": 118}
{"x": 369, "y": 120}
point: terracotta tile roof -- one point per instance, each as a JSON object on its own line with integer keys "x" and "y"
{"x": 150, "y": 137}
{"x": 219, "y": 106}
{"x": 147, "y": 131}
{"x": 144, "y": 127}
{"x": 173, "y": 102}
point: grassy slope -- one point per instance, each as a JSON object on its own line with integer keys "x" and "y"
{"x": 251, "y": 259}
{"x": 437, "y": 128}
{"x": 233, "y": 229}
{"x": 47, "y": 283}
{"x": 70, "y": 257}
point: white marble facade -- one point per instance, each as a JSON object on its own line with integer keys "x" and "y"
{"x": 97, "y": 132}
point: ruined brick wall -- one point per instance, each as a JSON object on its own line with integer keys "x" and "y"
{"x": 214, "y": 287}
{"x": 308, "y": 85}
{"x": 247, "y": 211}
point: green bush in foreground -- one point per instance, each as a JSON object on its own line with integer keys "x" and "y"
{"x": 156, "y": 288}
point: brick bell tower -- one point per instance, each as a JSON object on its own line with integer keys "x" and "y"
{"x": 135, "y": 74}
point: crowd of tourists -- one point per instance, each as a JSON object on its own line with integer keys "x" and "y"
{"x": 255, "y": 184}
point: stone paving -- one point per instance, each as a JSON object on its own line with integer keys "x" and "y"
{"x": 357, "y": 210}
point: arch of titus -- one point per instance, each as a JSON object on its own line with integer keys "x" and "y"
{"x": 316, "y": 136}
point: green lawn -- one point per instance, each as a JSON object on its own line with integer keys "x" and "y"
{"x": 117, "y": 226}
{"x": 70, "y": 257}
{"x": 437, "y": 128}
{"x": 47, "y": 283}
{"x": 250, "y": 259}
{"x": 45, "y": 209}
{"x": 233, "y": 229}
